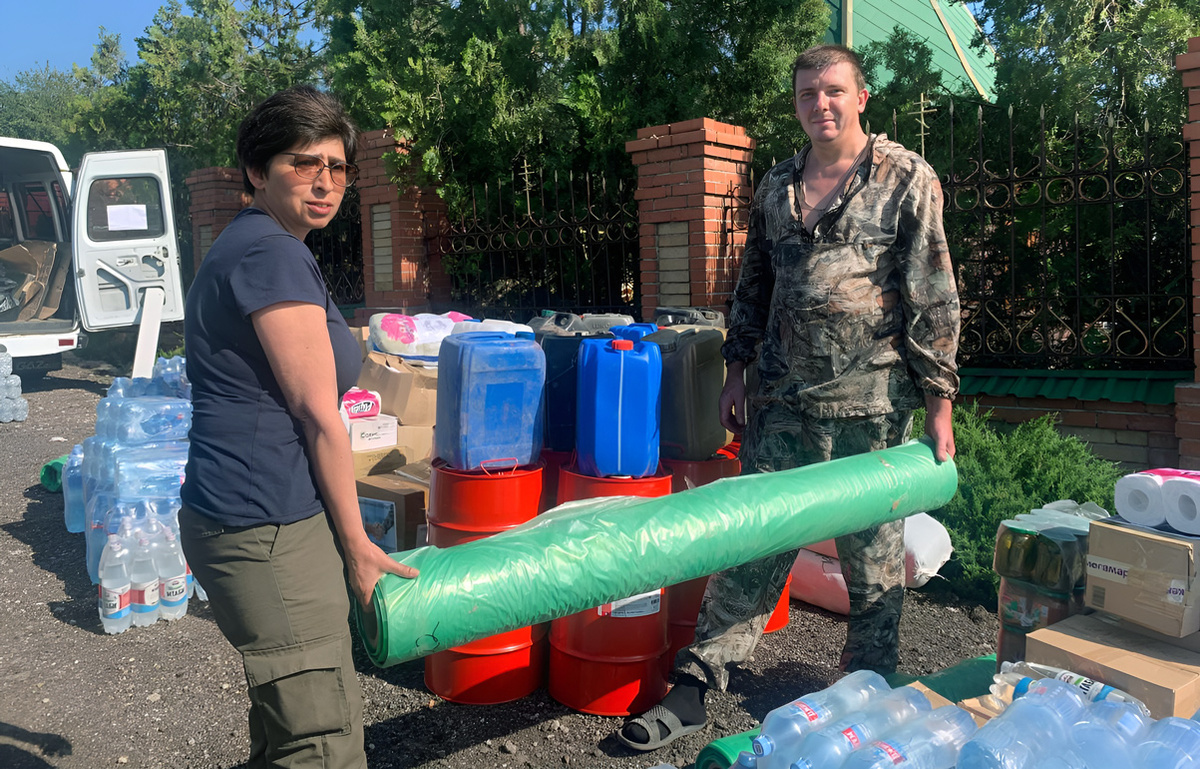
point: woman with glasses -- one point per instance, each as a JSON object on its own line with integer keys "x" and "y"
{"x": 270, "y": 521}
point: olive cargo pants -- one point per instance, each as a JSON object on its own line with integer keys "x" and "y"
{"x": 278, "y": 593}
{"x": 739, "y": 601}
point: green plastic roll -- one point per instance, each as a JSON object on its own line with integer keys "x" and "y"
{"x": 51, "y": 474}
{"x": 584, "y": 554}
{"x": 721, "y": 753}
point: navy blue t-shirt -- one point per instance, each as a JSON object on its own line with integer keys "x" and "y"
{"x": 248, "y": 463}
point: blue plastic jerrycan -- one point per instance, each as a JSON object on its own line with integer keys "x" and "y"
{"x": 619, "y": 391}
{"x": 489, "y": 404}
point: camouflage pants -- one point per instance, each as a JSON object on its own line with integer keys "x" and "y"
{"x": 739, "y": 601}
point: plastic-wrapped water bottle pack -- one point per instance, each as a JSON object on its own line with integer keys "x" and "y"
{"x": 13, "y": 407}
{"x": 121, "y": 490}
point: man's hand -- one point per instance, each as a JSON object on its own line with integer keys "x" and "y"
{"x": 732, "y": 403}
{"x": 938, "y": 426}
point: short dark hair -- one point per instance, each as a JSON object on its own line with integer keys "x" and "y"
{"x": 821, "y": 56}
{"x": 297, "y": 115}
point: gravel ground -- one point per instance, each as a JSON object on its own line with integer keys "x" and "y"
{"x": 172, "y": 695}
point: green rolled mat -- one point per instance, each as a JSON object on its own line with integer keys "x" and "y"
{"x": 51, "y": 475}
{"x": 588, "y": 553}
{"x": 720, "y": 754}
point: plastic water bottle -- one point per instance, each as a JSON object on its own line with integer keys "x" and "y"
{"x": 929, "y": 742}
{"x": 143, "y": 575}
{"x": 11, "y": 386}
{"x": 1108, "y": 733}
{"x": 747, "y": 759}
{"x": 115, "y": 611}
{"x": 1171, "y": 743}
{"x": 5, "y": 361}
{"x": 7, "y": 411}
{"x": 829, "y": 747}
{"x": 1011, "y": 672}
{"x": 173, "y": 578}
{"x": 785, "y": 727}
{"x": 72, "y": 488}
{"x": 1026, "y": 729}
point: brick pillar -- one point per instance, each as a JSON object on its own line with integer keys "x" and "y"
{"x": 217, "y": 196}
{"x": 394, "y": 260}
{"x": 690, "y": 177}
{"x": 1187, "y": 396}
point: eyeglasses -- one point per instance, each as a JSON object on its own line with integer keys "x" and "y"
{"x": 311, "y": 166}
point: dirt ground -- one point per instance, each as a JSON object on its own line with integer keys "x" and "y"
{"x": 173, "y": 696}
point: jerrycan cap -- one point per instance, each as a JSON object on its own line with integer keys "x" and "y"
{"x": 621, "y": 344}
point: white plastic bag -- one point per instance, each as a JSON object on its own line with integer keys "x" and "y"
{"x": 411, "y": 336}
{"x": 817, "y": 573}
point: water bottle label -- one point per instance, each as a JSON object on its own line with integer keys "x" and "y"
{"x": 896, "y": 756}
{"x": 174, "y": 590}
{"x": 641, "y": 605}
{"x": 145, "y": 596}
{"x": 114, "y": 601}
{"x": 812, "y": 713}
{"x": 852, "y": 736}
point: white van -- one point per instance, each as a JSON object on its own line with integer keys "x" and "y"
{"x": 83, "y": 255}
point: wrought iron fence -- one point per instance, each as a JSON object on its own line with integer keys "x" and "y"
{"x": 339, "y": 250}
{"x": 542, "y": 241}
{"x": 1070, "y": 241}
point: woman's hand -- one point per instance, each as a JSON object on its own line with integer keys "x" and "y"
{"x": 365, "y": 564}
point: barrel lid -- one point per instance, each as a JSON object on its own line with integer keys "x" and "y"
{"x": 622, "y": 344}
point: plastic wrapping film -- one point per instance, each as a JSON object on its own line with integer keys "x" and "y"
{"x": 584, "y": 554}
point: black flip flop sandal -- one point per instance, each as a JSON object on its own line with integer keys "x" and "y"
{"x": 672, "y": 729}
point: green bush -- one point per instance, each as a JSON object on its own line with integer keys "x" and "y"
{"x": 1001, "y": 474}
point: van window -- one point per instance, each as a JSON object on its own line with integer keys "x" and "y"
{"x": 8, "y": 226}
{"x": 124, "y": 208}
{"x": 38, "y": 211}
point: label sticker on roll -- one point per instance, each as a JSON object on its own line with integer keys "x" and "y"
{"x": 634, "y": 606}
{"x": 1103, "y": 568}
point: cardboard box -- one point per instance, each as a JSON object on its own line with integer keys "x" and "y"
{"x": 982, "y": 709}
{"x": 1144, "y": 577}
{"x": 405, "y": 502}
{"x": 372, "y": 432}
{"x": 415, "y": 442}
{"x": 406, "y": 390}
{"x": 1164, "y": 677}
{"x": 1189, "y": 642}
{"x": 377, "y": 461}
{"x": 362, "y": 335}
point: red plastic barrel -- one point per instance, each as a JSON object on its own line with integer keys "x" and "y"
{"x": 465, "y": 506}
{"x": 574, "y": 485}
{"x": 552, "y": 463}
{"x": 608, "y": 661}
{"x": 779, "y": 617}
{"x": 683, "y": 600}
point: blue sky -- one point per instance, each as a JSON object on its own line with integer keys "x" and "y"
{"x": 62, "y": 32}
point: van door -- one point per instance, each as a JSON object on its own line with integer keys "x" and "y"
{"x": 124, "y": 238}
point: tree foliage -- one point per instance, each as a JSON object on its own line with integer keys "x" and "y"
{"x": 475, "y": 84}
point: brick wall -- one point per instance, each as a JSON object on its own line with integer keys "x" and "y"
{"x": 217, "y": 196}
{"x": 689, "y": 175}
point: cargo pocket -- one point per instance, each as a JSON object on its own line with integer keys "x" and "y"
{"x": 300, "y": 690}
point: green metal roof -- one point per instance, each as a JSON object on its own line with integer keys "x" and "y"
{"x": 1153, "y": 387}
{"x": 946, "y": 26}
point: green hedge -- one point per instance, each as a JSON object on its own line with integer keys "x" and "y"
{"x": 1000, "y": 474}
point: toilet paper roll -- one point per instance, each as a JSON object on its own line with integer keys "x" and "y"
{"x": 1181, "y": 498}
{"x": 1139, "y": 499}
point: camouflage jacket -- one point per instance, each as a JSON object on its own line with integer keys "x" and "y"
{"x": 860, "y": 316}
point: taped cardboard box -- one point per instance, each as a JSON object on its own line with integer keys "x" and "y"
{"x": 407, "y": 390}
{"x": 1142, "y": 576}
{"x": 414, "y": 443}
{"x": 403, "y": 501}
{"x": 361, "y": 335}
{"x": 1164, "y": 677}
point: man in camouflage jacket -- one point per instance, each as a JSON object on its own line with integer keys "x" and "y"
{"x": 847, "y": 300}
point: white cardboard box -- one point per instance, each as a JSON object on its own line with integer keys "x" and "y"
{"x": 376, "y": 432}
